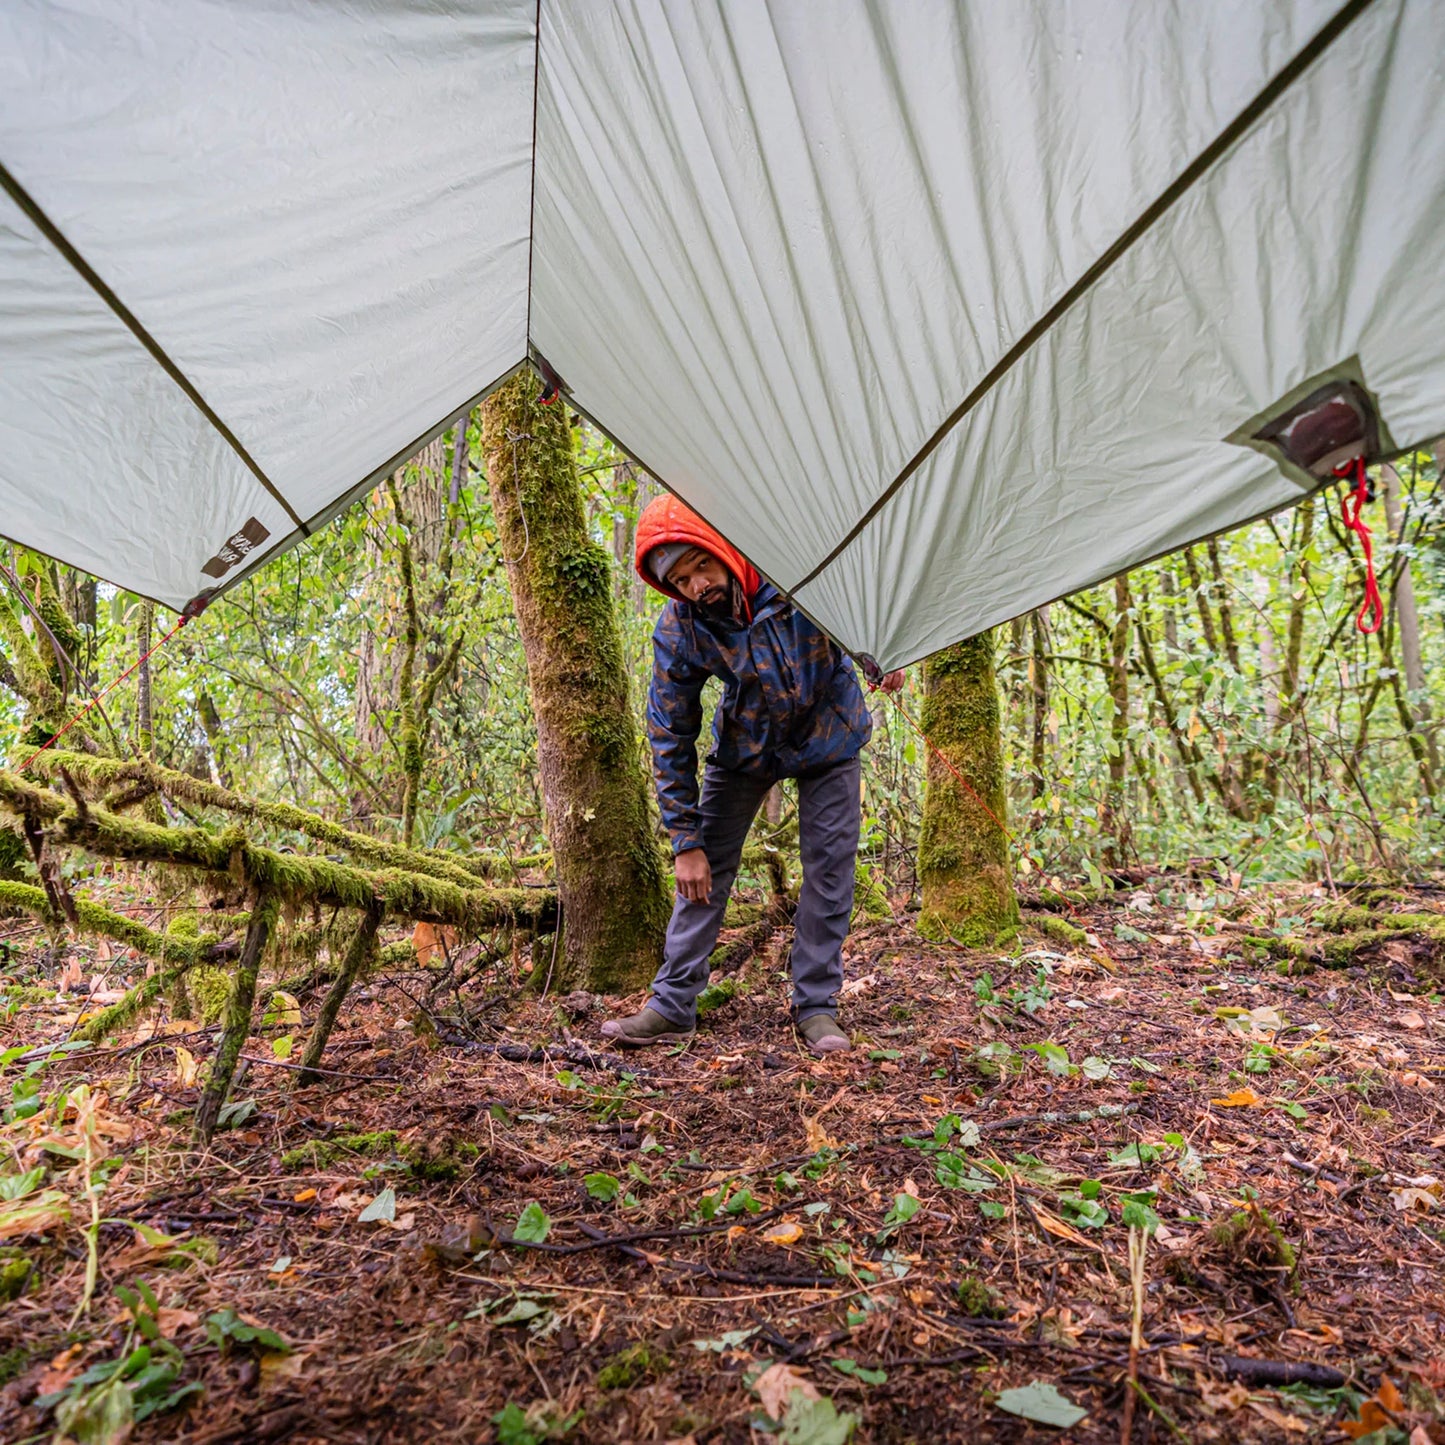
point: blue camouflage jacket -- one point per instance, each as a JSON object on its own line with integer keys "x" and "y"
{"x": 791, "y": 702}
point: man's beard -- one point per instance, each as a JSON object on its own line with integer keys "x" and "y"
{"x": 722, "y": 604}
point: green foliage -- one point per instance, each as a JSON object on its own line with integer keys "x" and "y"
{"x": 102, "y": 1405}
{"x": 532, "y": 1226}
{"x": 632, "y": 1365}
{"x": 228, "y": 1331}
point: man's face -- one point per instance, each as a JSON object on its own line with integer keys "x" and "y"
{"x": 699, "y": 577}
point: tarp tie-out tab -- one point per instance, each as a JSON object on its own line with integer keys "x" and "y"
{"x": 1350, "y": 505}
{"x": 100, "y": 697}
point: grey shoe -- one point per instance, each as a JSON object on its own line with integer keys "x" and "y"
{"x": 822, "y": 1035}
{"x": 643, "y": 1029}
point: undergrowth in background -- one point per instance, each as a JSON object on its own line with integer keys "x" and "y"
{"x": 1219, "y": 703}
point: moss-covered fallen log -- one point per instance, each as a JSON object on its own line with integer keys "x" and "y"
{"x": 1338, "y": 950}
{"x": 97, "y": 774}
{"x": 104, "y": 923}
{"x": 291, "y": 877}
{"x": 177, "y": 952}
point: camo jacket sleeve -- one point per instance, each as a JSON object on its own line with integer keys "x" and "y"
{"x": 674, "y": 720}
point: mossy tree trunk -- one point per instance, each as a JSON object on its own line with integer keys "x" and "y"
{"x": 963, "y": 862}
{"x": 1114, "y": 823}
{"x": 610, "y": 874}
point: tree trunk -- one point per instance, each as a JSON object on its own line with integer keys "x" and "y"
{"x": 610, "y": 871}
{"x": 1115, "y": 822}
{"x": 1408, "y": 619}
{"x": 963, "y": 860}
{"x": 237, "y": 1022}
{"x": 1299, "y": 598}
{"x": 145, "y": 721}
{"x": 1226, "y": 612}
{"x": 647, "y": 489}
{"x": 1039, "y": 685}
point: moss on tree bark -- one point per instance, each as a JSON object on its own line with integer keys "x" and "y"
{"x": 963, "y": 862}
{"x": 610, "y": 873}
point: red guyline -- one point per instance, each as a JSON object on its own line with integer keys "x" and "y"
{"x": 100, "y": 696}
{"x": 1351, "y": 517}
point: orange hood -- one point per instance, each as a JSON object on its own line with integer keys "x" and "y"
{"x": 665, "y": 519}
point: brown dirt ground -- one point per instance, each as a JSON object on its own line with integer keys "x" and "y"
{"x": 400, "y": 1332}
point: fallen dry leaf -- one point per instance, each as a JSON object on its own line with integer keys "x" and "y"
{"x": 1413, "y": 1197}
{"x": 186, "y": 1068}
{"x": 60, "y": 1371}
{"x": 278, "y": 1368}
{"x": 1412, "y": 1018}
{"x": 430, "y": 943}
{"x": 1389, "y": 1396}
{"x": 778, "y": 1384}
{"x": 787, "y": 1232}
{"x": 1282, "y": 1419}
{"x": 817, "y": 1136}
{"x": 1372, "y": 1418}
{"x": 1221, "y": 1399}
{"x": 1060, "y": 1228}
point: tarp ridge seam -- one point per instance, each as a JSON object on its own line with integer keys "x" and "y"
{"x": 1199, "y": 167}
{"x": 131, "y": 322}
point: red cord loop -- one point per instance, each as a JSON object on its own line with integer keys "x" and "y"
{"x": 101, "y": 696}
{"x": 1372, "y": 605}
{"x": 938, "y": 753}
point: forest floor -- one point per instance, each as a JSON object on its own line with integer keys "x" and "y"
{"x": 703, "y": 1243}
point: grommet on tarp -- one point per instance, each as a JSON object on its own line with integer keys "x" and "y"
{"x": 871, "y": 671}
{"x": 1354, "y": 499}
{"x": 552, "y": 384}
{"x": 197, "y": 604}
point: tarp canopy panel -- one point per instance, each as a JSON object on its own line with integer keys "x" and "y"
{"x": 937, "y": 310}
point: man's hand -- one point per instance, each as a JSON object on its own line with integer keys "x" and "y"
{"x": 694, "y": 875}
{"x": 893, "y": 682}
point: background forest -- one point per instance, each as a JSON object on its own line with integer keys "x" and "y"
{"x": 302, "y": 979}
{"x": 1218, "y": 703}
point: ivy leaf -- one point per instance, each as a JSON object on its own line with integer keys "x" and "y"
{"x": 1095, "y": 1068}
{"x": 817, "y": 1422}
{"x": 859, "y": 1372}
{"x": 1140, "y": 1216}
{"x": 605, "y": 1187}
{"x": 905, "y": 1206}
{"x": 1043, "y": 1403}
{"x": 1056, "y": 1059}
{"x": 532, "y": 1226}
{"x": 1088, "y": 1212}
{"x": 953, "y": 1171}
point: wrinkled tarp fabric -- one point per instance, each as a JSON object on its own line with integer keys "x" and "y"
{"x": 772, "y": 248}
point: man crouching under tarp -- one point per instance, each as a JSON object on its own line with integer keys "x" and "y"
{"x": 791, "y": 708}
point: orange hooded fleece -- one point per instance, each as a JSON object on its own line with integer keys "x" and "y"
{"x": 666, "y": 520}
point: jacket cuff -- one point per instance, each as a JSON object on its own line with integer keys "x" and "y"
{"x": 685, "y": 841}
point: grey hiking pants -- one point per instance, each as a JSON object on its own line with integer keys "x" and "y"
{"x": 828, "y": 824}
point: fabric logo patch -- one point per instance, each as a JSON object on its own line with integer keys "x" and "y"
{"x": 237, "y": 546}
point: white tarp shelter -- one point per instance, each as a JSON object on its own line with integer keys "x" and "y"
{"x": 939, "y": 309}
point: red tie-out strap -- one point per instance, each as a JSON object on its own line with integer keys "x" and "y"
{"x": 1350, "y": 506}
